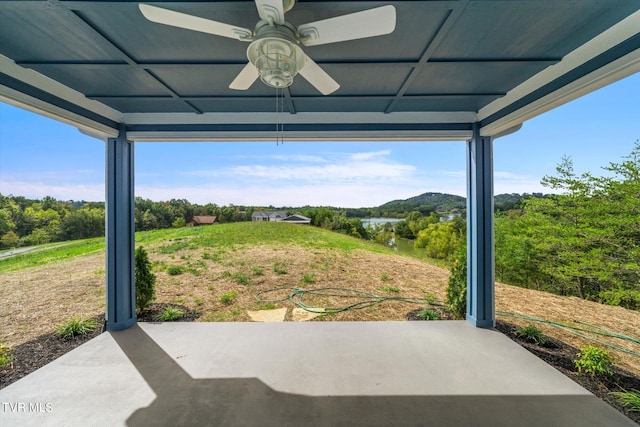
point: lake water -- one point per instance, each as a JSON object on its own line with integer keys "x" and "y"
{"x": 382, "y": 221}
{"x": 405, "y": 246}
{"x": 379, "y": 221}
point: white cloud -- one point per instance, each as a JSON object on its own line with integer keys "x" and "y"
{"x": 330, "y": 172}
{"x": 370, "y": 155}
{"x": 299, "y": 158}
{"x": 459, "y": 174}
{"x": 59, "y": 191}
{"x": 509, "y": 182}
{"x": 339, "y": 195}
{"x": 347, "y": 184}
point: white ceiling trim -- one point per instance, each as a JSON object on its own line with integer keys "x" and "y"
{"x": 35, "y": 79}
{"x": 299, "y": 118}
{"x": 299, "y": 136}
{"x": 598, "y": 45}
{"x": 612, "y": 72}
{"x": 89, "y": 127}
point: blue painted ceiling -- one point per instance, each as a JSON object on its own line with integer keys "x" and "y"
{"x": 457, "y": 55}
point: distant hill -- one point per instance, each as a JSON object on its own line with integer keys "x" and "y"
{"x": 505, "y": 202}
{"x": 442, "y": 202}
{"x": 439, "y": 202}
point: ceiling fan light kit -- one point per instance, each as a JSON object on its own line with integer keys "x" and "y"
{"x": 274, "y": 53}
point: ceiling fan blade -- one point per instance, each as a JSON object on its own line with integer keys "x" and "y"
{"x": 195, "y": 23}
{"x": 368, "y": 23}
{"x": 271, "y": 11}
{"x": 318, "y": 77}
{"x": 245, "y": 79}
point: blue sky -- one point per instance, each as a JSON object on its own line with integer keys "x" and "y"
{"x": 39, "y": 157}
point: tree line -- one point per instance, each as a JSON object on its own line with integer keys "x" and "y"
{"x": 25, "y": 222}
{"x": 583, "y": 241}
{"x": 31, "y": 222}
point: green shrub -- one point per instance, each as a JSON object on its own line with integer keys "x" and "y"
{"x": 227, "y": 298}
{"x": 431, "y": 298}
{"x": 532, "y": 334}
{"x": 457, "y": 289}
{"x": 175, "y": 270}
{"x": 428, "y": 314}
{"x": 265, "y": 306}
{"x": 627, "y": 298}
{"x": 594, "y": 361}
{"x": 145, "y": 280}
{"x": 171, "y": 313}
{"x": 628, "y": 399}
{"x": 278, "y": 268}
{"x": 6, "y": 355}
{"x": 393, "y": 289}
{"x": 176, "y": 246}
{"x": 257, "y": 271}
{"x": 75, "y": 327}
{"x": 213, "y": 257}
{"x": 308, "y": 278}
{"x": 241, "y": 279}
{"x": 385, "y": 277}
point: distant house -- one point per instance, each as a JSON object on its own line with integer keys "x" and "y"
{"x": 202, "y": 220}
{"x": 259, "y": 216}
{"x": 297, "y": 219}
{"x": 268, "y": 215}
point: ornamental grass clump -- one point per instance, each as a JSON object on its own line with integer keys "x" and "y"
{"x": 428, "y": 314}
{"x": 75, "y": 327}
{"x": 532, "y": 334}
{"x": 630, "y": 399}
{"x": 171, "y": 313}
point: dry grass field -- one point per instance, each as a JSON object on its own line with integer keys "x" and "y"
{"x": 221, "y": 284}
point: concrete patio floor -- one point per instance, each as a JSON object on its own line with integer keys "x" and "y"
{"x": 445, "y": 373}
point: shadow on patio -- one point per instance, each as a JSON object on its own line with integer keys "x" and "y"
{"x": 369, "y": 373}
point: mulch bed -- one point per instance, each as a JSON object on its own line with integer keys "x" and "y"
{"x": 152, "y": 314}
{"x": 561, "y": 356}
{"x": 34, "y": 354}
{"x": 39, "y": 351}
{"x": 442, "y": 312}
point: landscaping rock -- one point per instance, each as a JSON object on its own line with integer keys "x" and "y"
{"x": 276, "y": 315}
{"x": 302, "y": 315}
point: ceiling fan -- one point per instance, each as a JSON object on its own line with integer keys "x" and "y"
{"x": 274, "y": 53}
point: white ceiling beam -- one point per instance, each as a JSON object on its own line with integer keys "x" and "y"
{"x": 610, "y": 73}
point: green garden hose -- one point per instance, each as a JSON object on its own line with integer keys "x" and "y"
{"x": 368, "y": 299}
{"x": 296, "y": 296}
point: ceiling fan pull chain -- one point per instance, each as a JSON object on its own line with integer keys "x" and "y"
{"x": 279, "y": 116}
{"x": 282, "y": 116}
{"x": 276, "y": 116}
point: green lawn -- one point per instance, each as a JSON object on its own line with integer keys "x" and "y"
{"x": 223, "y": 236}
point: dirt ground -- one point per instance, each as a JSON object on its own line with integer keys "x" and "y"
{"x": 221, "y": 285}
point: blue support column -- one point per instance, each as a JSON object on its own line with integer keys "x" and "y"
{"x": 120, "y": 228}
{"x": 480, "y": 257}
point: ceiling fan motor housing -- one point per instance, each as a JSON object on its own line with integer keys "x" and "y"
{"x": 276, "y": 54}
